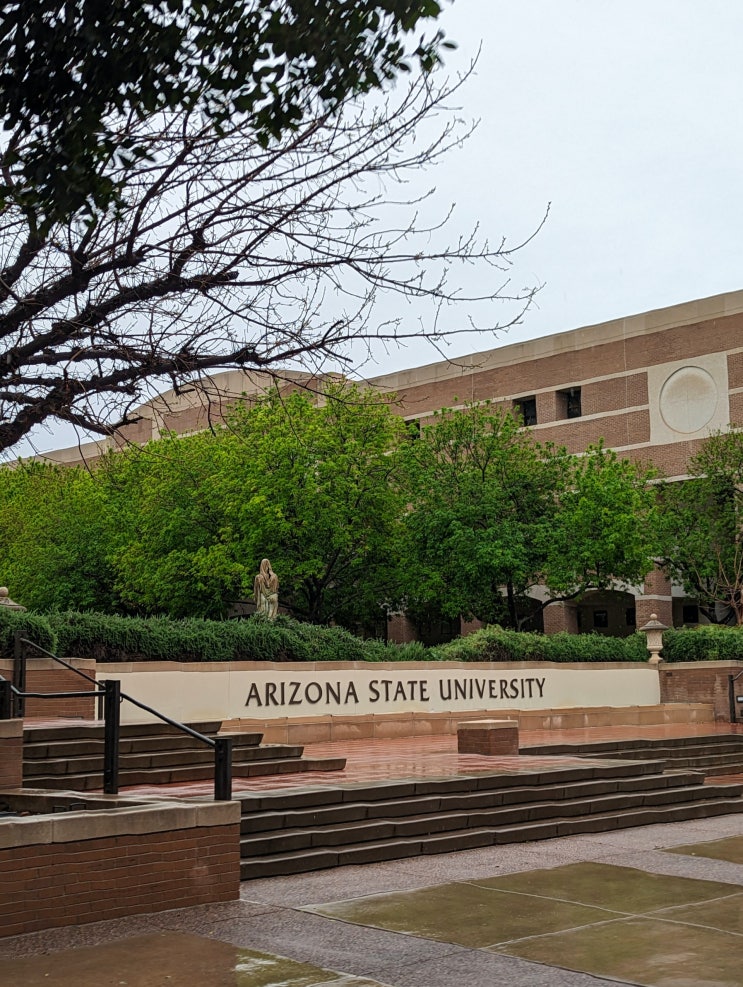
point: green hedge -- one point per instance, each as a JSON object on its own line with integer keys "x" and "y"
{"x": 110, "y": 638}
{"x": 33, "y": 626}
{"x": 709, "y": 642}
{"x": 496, "y": 644}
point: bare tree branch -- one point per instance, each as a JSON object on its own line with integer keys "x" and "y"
{"x": 226, "y": 254}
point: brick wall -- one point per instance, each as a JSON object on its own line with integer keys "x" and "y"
{"x": 700, "y": 682}
{"x": 561, "y": 617}
{"x": 622, "y": 429}
{"x": 656, "y": 599}
{"x": 614, "y": 394}
{"x": 45, "y": 675}
{"x": 45, "y": 886}
{"x": 735, "y": 370}
{"x": 11, "y": 753}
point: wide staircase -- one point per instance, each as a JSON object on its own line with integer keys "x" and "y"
{"x": 70, "y": 757}
{"x": 716, "y": 754}
{"x": 290, "y": 832}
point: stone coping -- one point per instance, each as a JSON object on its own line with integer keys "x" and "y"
{"x": 382, "y": 666}
{"x": 625, "y": 713}
{"x": 11, "y": 728}
{"x": 41, "y": 664}
{"x": 487, "y": 724}
{"x": 150, "y": 815}
{"x": 322, "y": 729}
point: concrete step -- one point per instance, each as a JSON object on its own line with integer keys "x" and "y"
{"x": 170, "y": 742}
{"x": 674, "y": 753}
{"x": 83, "y": 730}
{"x": 291, "y": 816}
{"x": 85, "y": 782}
{"x": 405, "y": 825}
{"x": 288, "y": 832}
{"x": 155, "y": 759}
{"x": 71, "y": 756}
{"x": 390, "y": 792}
{"x": 301, "y": 860}
{"x": 713, "y": 754}
{"x": 617, "y": 747}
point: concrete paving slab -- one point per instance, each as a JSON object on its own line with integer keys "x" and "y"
{"x": 730, "y": 849}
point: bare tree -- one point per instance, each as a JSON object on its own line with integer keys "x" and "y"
{"x": 224, "y": 253}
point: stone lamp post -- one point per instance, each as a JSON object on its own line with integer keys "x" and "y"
{"x": 654, "y": 633}
{"x": 6, "y": 602}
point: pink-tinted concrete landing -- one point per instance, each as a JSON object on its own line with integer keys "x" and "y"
{"x": 434, "y": 757}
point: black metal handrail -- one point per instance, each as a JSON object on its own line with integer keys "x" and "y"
{"x": 732, "y": 698}
{"x": 12, "y": 703}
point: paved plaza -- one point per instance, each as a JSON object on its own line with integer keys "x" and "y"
{"x": 659, "y": 905}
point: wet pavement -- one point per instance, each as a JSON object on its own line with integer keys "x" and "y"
{"x": 436, "y": 757}
{"x": 660, "y": 905}
{"x": 582, "y": 911}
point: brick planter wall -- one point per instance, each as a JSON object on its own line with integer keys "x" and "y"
{"x": 79, "y": 867}
{"x": 11, "y": 753}
{"x": 45, "y": 675}
{"x": 700, "y": 682}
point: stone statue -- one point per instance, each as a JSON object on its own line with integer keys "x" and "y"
{"x": 6, "y": 602}
{"x": 266, "y": 591}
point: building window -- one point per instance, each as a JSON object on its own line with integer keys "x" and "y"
{"x": 690, "y": 613}
{"x": 569, "y": 403}
{"x": 600, "y": 618}
{"x": 526, "y": 408}
{"x": 630, "y": 617}
{"x": 414, "y": 428}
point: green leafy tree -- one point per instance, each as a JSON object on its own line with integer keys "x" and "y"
{"x": 702, "y": 537}
{"x": 305, "y": 483}
{"x": 174, "y": 552}
{"x": 604, "y": 532}
{"x": 494, "y": 516}
{"x": 482, "y": 501}
{"x": 73, "y": 68}
{"x": 56, "y": 532}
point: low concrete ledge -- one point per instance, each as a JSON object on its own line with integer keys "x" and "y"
{"x": 491, "y": 738}
{"x": 11, "y": 728}
{"x": 72, "y": 867}
{"x": 322, "y": 729}
{"x": 121, "y": 820}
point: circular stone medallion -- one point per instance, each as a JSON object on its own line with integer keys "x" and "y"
{"x": 688, "y": 399}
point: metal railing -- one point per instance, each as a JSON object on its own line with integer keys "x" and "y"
{"x": 110, "y": 697}
{"x": 733, "y": 699}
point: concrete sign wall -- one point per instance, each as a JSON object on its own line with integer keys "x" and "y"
{"x": 263, "y": 690}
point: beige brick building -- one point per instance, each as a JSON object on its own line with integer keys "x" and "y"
{"x": 652, "y": 386}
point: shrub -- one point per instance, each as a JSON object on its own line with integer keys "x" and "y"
{"x": 709, "y": 642}
{"x": 496, "y": 644}
{"x": 111, "y": 638}
{"x": 33, "y": 626}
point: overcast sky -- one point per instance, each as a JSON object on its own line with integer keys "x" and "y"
{"x": 626, "y": 117}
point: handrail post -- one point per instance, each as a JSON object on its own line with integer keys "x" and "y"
{"x": 223, "y": 769}
{"x": 6, "y": 700}
{"x": 19, "y": 674}
{"x": 731, "y": 697}
{"x": 111, "y": 730}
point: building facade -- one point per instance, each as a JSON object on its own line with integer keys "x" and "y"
{"x": 652, "y": 386}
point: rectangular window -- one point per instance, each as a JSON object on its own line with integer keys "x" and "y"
{"x": 569, "y": 403}
{"x": 600, "y": 618}
{"x": 630, "y": 617}
{"x": 526, "y": 408}
{"x": 690, "y": 613}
